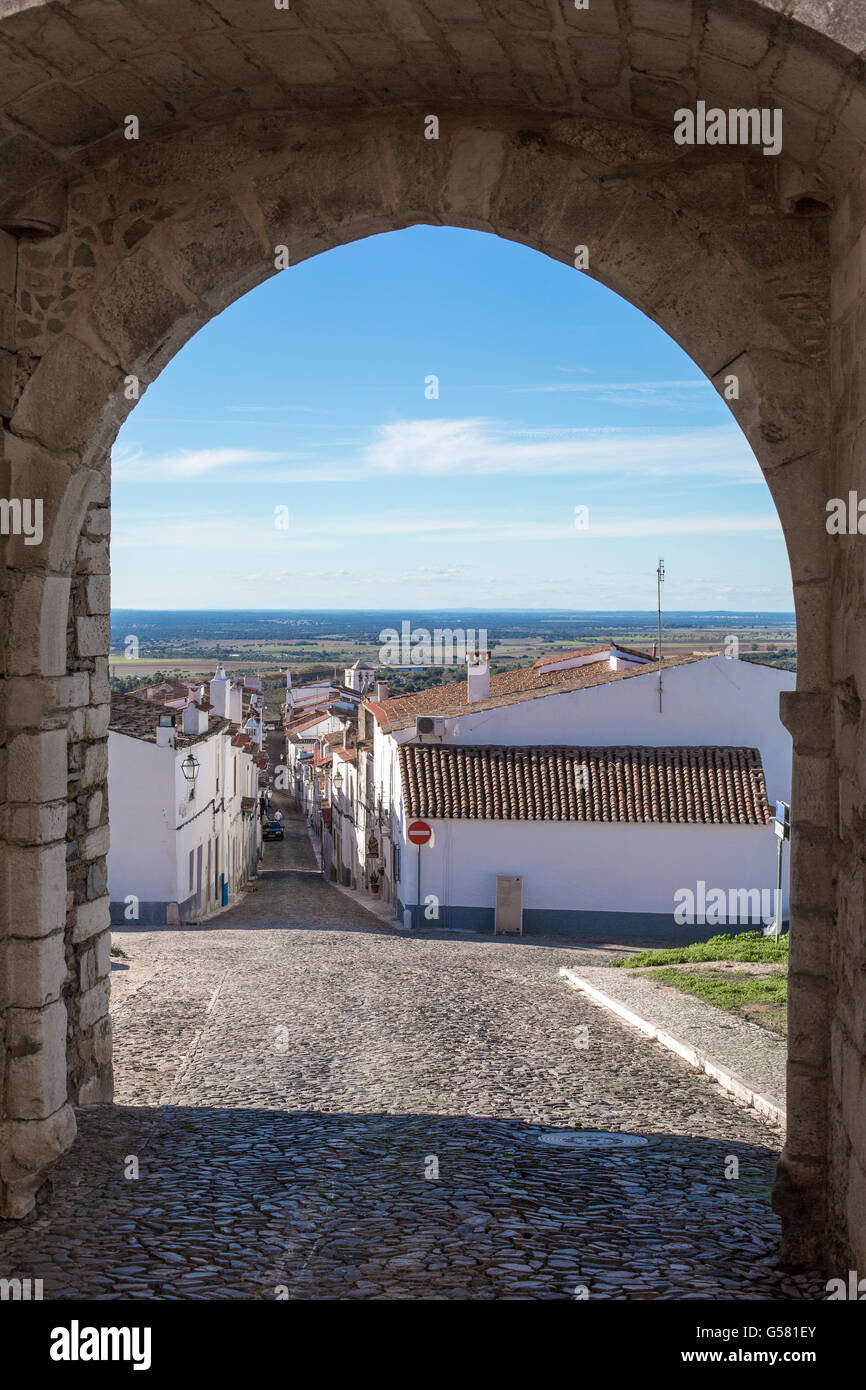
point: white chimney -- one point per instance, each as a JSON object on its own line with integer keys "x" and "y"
{"x": 381, "y": 692}
{"x": 478, "y": 677}
{"x": 219, "y": 692}
{"x": 236, "y": 704}
{"x": 194, "y": 719}
{"x": 166, "y": 734}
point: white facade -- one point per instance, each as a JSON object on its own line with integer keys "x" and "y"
{"x": 598, "y": 878}
{"x": 181, "y": 848}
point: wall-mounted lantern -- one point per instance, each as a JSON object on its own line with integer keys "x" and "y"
{"x": 189, "y": 767}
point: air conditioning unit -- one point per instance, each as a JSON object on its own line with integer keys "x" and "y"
{"x": 428, "y": 727}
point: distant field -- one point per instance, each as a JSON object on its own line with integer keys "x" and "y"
{"x": 190, "y": 644}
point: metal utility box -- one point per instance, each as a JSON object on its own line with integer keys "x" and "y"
{"x": 509, "y": 905}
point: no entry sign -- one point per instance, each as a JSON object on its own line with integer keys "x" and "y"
{"x": 419, "y": 832}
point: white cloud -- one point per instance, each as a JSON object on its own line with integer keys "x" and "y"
{"x": 131, "y": 464}
{"x": 462, "y": 447}
{"x": 480, "y": 446}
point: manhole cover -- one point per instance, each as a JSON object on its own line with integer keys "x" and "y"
{"x": 591, "y": 1139}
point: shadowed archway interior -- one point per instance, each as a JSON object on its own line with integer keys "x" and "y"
{"x": 257, "y": 130}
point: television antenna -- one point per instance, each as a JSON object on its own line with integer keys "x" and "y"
{"x": 660, "y": 578}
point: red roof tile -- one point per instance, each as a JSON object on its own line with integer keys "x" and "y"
{"x": 510, "y": 687}
{"x": 675, "y": 786}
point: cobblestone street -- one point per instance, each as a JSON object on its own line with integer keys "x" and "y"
{"x": 321, "y": 1107}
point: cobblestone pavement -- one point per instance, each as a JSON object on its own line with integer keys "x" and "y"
{"x": 320, "y": 1107}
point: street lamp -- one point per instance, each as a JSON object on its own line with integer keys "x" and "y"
{"x": 189, "y": 767}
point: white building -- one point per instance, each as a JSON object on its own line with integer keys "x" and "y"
{"x": 610, "y": 799}
{"x": 183, "y": 796}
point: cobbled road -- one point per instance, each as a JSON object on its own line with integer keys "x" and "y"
{"x": 312, "y": 1105}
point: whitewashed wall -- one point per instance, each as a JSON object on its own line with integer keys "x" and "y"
{"x": 623, "y": 868}
{"x": 141, "y": 780}
{"x": 154, "y": 829}
{"x": 568, "y": 867}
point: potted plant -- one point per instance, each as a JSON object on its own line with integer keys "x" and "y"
{"x": 374, "y": 882}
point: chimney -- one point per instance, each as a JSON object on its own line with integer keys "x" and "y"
{"x": 194, "y": 719}
{"x": 219, "y": 692}
{"x": 236, "y": 704}
{"x": 655, "y": 651}
{"x": 166, "y": 733}
{"x": 478, "y": 677}
{"x": 381, "y": 692}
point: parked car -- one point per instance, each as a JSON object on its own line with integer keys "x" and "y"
{"x": 273, "y": 831}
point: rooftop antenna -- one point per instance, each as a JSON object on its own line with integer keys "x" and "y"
{"x": 660, "y": 576}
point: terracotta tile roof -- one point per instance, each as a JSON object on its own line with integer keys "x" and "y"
{"x": 348, "y": 755}
{"x": 674, "y": 786}
{"x": 510, "y": 687}
{"x": 138, "y": 718}
{"x": 307, "y": 720}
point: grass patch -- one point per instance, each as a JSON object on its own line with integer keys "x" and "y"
{"x": 748, "y": 946}
{"x": 762, "y": 999}
{"x": 116, "y": 951}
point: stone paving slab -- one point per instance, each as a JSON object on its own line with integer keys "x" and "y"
{"x": 746, "y": 1060}
{"x": 322, "y": 1108}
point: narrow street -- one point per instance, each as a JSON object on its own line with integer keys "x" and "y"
{"x": 320, "y": 1107}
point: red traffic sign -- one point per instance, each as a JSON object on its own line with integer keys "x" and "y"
{"x": 419, "y": 832}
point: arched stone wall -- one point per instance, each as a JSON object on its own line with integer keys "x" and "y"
{"x": 555, "y": 130}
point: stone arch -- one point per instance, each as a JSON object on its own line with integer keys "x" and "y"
{"x": 114, "y": 252}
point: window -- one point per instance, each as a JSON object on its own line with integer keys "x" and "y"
{"x": 395, "y": 862}
{"x": 191, "y": 868}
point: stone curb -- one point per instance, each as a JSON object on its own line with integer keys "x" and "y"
{"x": 729, "y": 1080}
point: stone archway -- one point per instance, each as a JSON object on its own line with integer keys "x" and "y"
{"x": 307, "y": 128}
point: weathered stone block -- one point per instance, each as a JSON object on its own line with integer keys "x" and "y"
{"x": 95, "y": 844}
{"x": 8, "y": 262}
{"x": 91, "y": 919}
{"x": 98, "y": 522}
{"x": 217, "y": 248}
{"x": 30, "y": 1147}
{"x": 36, "y": 1065}
{"x": 93, "y": 636}
{"x": 662, "y": 16}
{"x": 477, "y": 162}
{"x": 37, "y": 824}
{"x": 37, "y": 766}
{"x": 31, "y": 700}
{"x": 36, "y": 970}
{"x": 734, "y": 39}
{"x": 37, "y": 626}
{"x": 100, "y": 689}
{"x": 137, "y": 308}
{"x": 36, "y": 888}
{"x": 93, "y": 1004}
{"x": 95, "y": 770}
{"x": 99, "y": 594}
{"x": 95, "y": 804}
{"x": 66, "y": 395}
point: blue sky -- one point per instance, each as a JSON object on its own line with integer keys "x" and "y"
{"x": 307, "y": 399}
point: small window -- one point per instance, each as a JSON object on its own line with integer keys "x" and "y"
{"x": 191, "y": 869}
{"x": 395, "y": 862}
